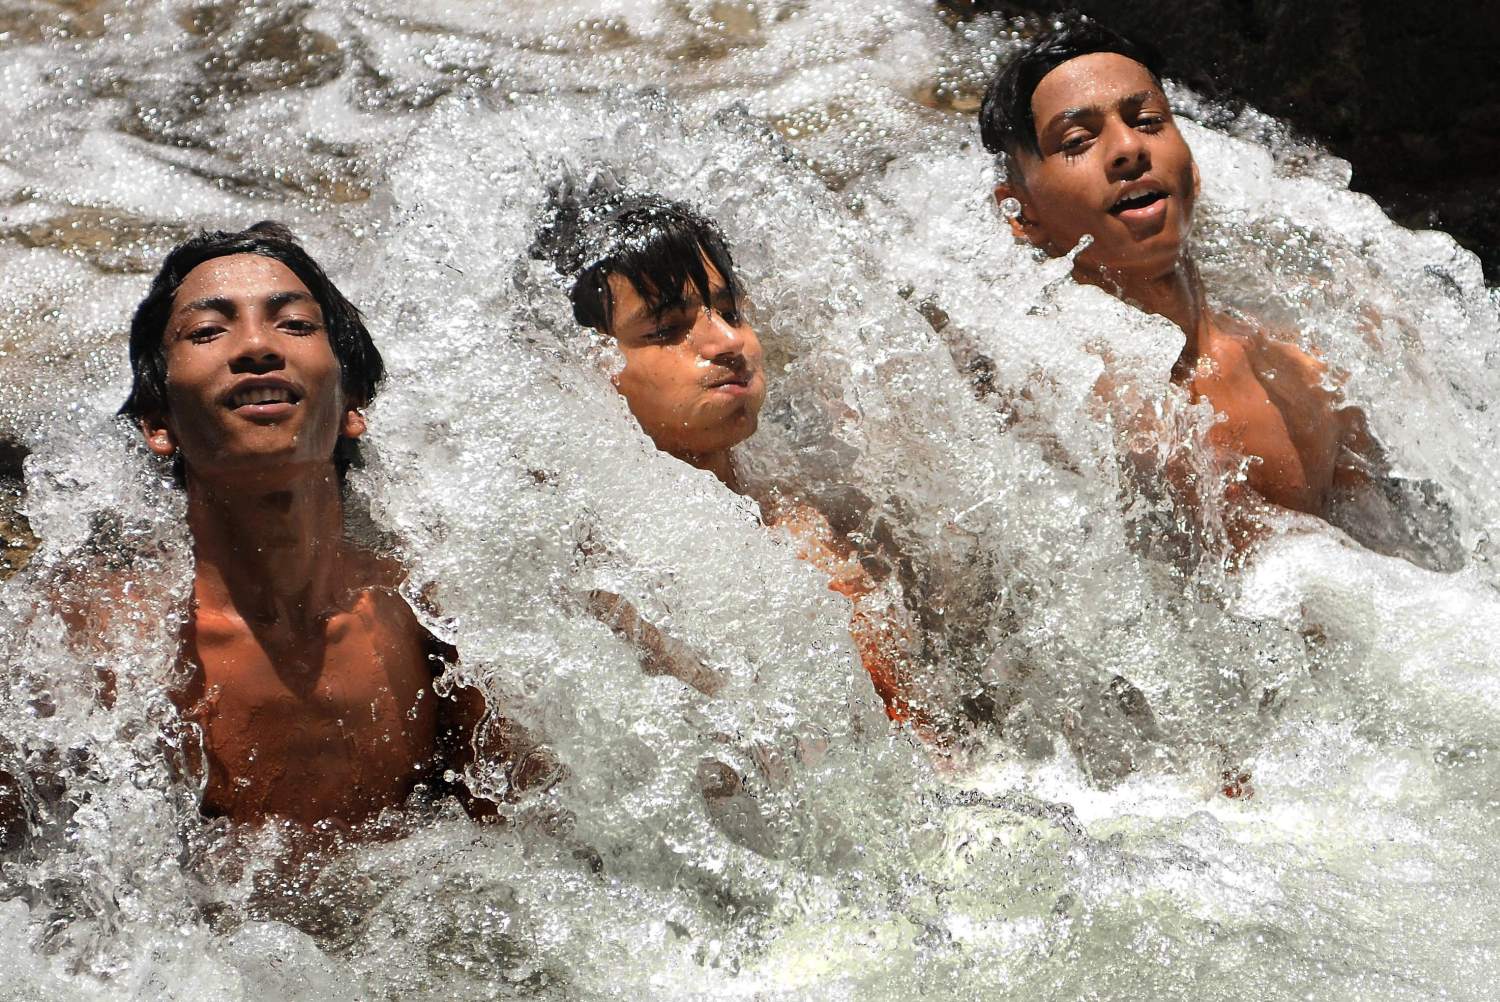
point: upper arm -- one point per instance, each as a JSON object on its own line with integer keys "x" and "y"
{"x": 502, "y": 758}
{"x": 660, "y": 654}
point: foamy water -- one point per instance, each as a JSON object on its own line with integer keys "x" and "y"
{"x": 1106, "y": 667}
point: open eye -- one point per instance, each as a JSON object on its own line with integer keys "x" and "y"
{"x": 203, "y": 332}
{"x": 300, "y": 325}
{"x": 728, "y": 307}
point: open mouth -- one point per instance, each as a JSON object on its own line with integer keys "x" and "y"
{"x": 262, "y": 396}
{"x": 1137, "y": 200}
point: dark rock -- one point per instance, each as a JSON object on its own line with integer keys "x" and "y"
{"x": 16, "y": 539}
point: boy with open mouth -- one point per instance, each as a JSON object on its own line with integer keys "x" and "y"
{"x": 307, "y": 674}
{"x": 1089, "y": 147}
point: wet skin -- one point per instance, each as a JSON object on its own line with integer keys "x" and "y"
{"x": 694, "y": 375}
{"x": 310, "y": 677}
{"x": 1113, "y": 165}
{"x": 1108, "y": 142}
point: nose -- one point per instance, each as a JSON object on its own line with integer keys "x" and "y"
{"x": 719, "y": 341}
{"x": 256, "y": 349}
{"x": 1128, "y": 153}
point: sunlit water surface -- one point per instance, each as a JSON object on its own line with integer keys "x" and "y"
{"x": 932, "y": 391}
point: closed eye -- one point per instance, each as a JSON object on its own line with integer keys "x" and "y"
{"x": 1075, "y": 143}
{"x": 667, "y": 333}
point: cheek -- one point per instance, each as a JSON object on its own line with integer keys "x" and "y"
{"x": 187, "y": 396}
{"x": 648, "y": 403}
{"x": 318, "y": 362}
{"x": 1061, "y": 209}
{"x": 321, "y": 374}
{"x": 1189, "y": 188}
{"x": 655, "y": 378}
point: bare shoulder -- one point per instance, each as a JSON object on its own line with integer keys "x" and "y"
{"x": 1278, "y": 347}
{"x": 798, "y": 518}
{"x": 809, "y": 530}
{"x": 818, "y": 543}
{"x": 374, "y": 582}
{"x": 95, "y": 603}
{"x": 371, "y": 588}
{"x": 367, "y": 570}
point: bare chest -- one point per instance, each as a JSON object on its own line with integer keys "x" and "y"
{"x": 339, "y": 725}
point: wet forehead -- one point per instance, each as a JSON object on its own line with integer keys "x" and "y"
{"x": 1099, "y": 80}
{"x": 236, "y": 278}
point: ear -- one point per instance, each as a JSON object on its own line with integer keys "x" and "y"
{"x": 1022, "y": 225}
{"x": 1197, "y": 182}
{"x": 353, "y": 424}
{"x": 159, "y": 437}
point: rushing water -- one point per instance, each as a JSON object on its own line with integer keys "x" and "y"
{"x": 932, "y": 390}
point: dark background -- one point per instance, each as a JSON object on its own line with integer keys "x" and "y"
{"x": 1408, "y": 93}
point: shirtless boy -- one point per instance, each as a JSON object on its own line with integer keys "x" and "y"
{"x": 1089, "y": 146}
{"x": 310, "y": 678}
{"x": 656, "y": 278}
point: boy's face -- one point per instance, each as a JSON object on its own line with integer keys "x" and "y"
{"x": 253, "y": 385}
{"x": 1112, "y": 165}
{"x": 694, "y": 375}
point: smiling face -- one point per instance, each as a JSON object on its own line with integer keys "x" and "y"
{"x": 694, "y": 376}
{"x": 253, "y": 386}
{"x": 1112, "y": 165}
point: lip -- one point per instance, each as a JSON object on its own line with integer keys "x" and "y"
{"x": 263, "y": 386}
{"x": 734, "y": 385}
{"x": 1142, "y": 213}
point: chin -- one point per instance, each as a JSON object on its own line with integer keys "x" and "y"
{"x": 721, "y": 440}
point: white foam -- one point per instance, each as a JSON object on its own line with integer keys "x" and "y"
{"x": 1081, "y": 848}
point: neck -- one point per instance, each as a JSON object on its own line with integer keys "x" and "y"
{"x": 1176, "y": 294}
{"x": 269, "y": 551}
{"x": 720, "y": 464}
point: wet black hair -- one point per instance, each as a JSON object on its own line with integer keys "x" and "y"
{"x": 658, "y": 245}
{"x": 1006, "y": 125}
{"x": 360, "y": 365}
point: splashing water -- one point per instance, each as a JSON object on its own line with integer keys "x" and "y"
{"x": 932, "y": 391}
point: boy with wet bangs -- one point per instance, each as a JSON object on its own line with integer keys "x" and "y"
{"x": 308, "y": 677}
{"x": 657, "y": 279}
{"x": 1089, "y": 147}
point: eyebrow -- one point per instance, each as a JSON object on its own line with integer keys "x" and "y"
{"x": 219, "y": 304}
{"x": 225, "y": 305}
{"x": 277, "y": 300}
{"x": 1096, "y": 110}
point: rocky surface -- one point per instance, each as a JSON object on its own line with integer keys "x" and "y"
{"x": 16, "y": 539}
{"x": 1410, "y": 96}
